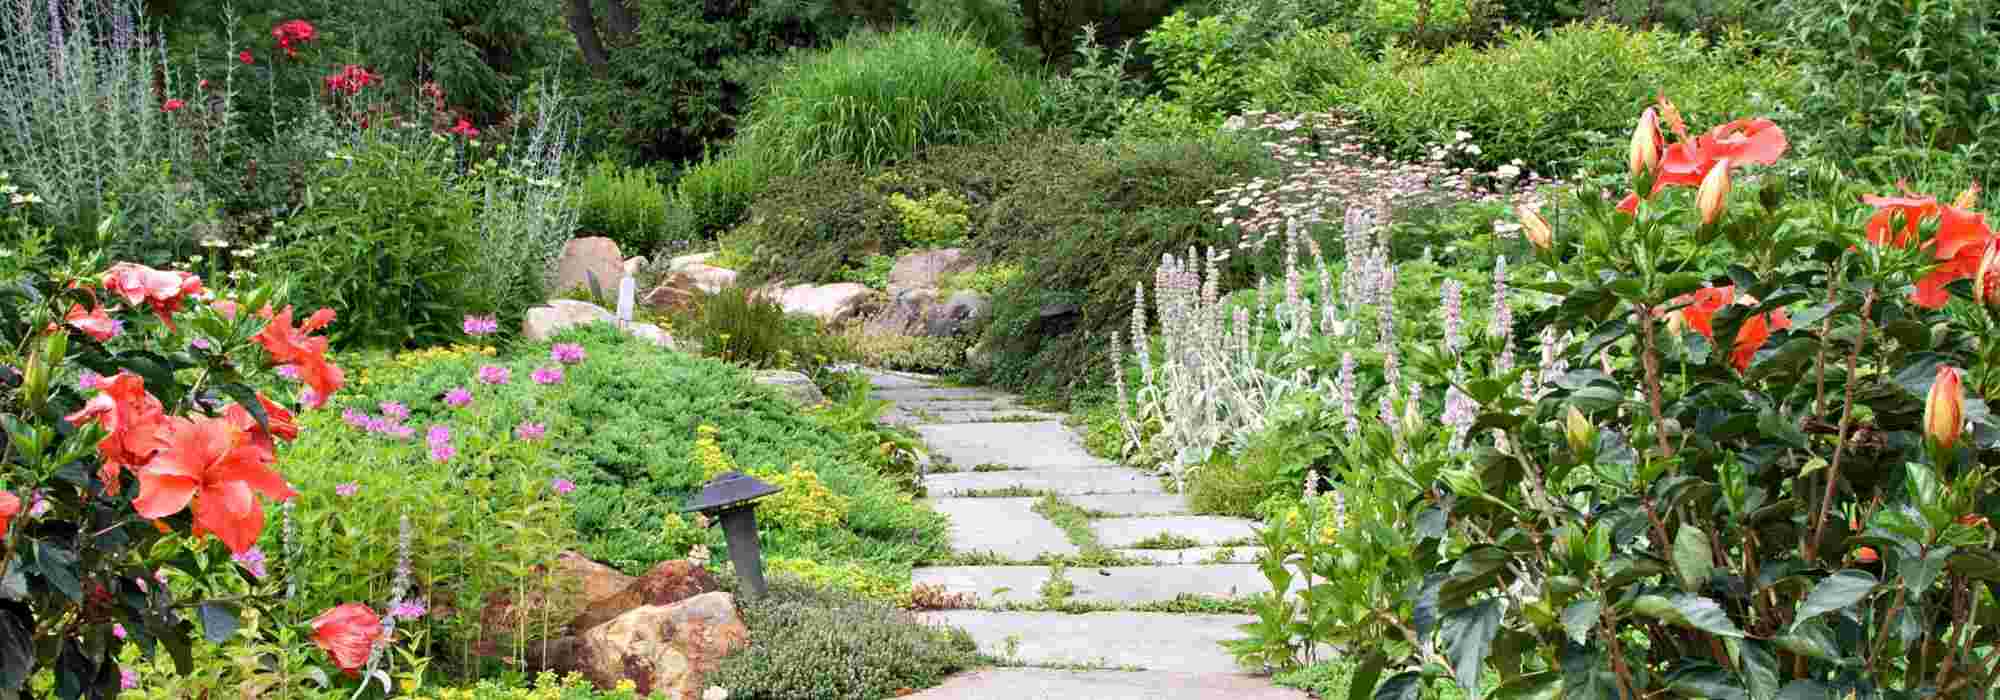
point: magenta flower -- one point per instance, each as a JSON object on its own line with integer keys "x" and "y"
{"x": 40, "y": 506}
{"x": 438, "y": 434}
{"x": 309, "y": 397}
{"x": 88, "y": 380}
{"x": 481, "y": 325}
{"x": 395, "y": 411}
{"x": 443, "y": 452}
{"x": 408, "y": 609}
{"x": 128, "y": 679}
{"x": 251, "y": 559}
{"x": 567, "y": 353}
{"x": 458, "y": 397}
{"x": 562, "y": 486}
{"x": 494, "y": 374}
{"x": 200, "y": 344}
{"x": 400, "y": 432}
{"x": 118, "y": 631}
{"x": 548, "y": 375}
{"x": 289, "y": 372}
{"x": 530, "y": 431}
{"x": 347, "y": 490}
{"x": 354, "y": 419}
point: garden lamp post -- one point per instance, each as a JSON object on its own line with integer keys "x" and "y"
{"x": 731, "y": 499}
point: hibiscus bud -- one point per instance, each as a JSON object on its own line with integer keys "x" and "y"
{"x": 1646, "y": 144}
{"x": 1944, "y": 410}
{"x": 1986, "y": 284}
{"x": 1714, "y": 192}
{"x": 1866, "y": 555}
{"x": 1581, "y": 434}
{"x": 1535, "y": 227}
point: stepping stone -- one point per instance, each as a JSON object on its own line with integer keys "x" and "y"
{"x": 1203, "y": 529}
{"x": 937, "y": 394}
{"x": 1163, "y": 641}
{"x": 1133, "y": 504}
{"x": 984, "y": 415}
{"x": 1045, "y": 445}
{"x": 898, "y": 380}
{"x": 1196, "y": 555}
{"x": 1057, "y": 684}
{"x": 1124, "y": 585}
{"x": 1058, "y": 481}
{"x": 1008, "y": 527}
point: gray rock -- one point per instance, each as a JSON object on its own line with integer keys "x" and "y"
{"x": 1203, "y": 529}
{"x": 1159, "y": 641}
{"x": 1058, "y": 684}
{"x": 795, "y": 386}
{"x": 544, "y": 321}
{"x": 650, "y": 333}
{"x": 905, "y": 313}
{"x": 583, "y": 258}
{"x": 677, "y": 263}
{"x": 1008, "y": 527}
{"x": 926, "y": 268}
{"x": 954, "y": 315}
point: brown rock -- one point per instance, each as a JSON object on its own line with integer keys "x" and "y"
{"x": 667, "y": 583}
{"x": 831, "y": 303}
{"x": 584, "y": 257}
{"x": 544, "y": 321}
{"x": 926, "y": 268}
{"x": 666, "y": 649}
{"x": 687, "y": 284}
{"x": 574, "y": 583}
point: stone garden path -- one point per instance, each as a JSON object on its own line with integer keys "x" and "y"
{"x": 1112, "y": 598}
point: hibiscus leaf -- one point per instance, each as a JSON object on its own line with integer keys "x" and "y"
{"x": 219, "y": 621}
{"x": 1838, "y": 591}
{"x": 1469, "y": 633}
{"x": 1760, "y": 669}
{"x": 57, "y": 566}
{"x": 1362, "y": 685}
{"x": 1402, "y": 686}
{"x": 1693, "y": 559}
{"x": 17, "y": 645}
{"x": 1580, "y": 617}
{"x": 247, "y": 397}
{"x": 1691, "y": 611}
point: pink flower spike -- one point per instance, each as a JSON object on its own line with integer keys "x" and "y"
{"x": 548, "y": 375}
{"x": 88, "y": 380}
{"x": 458, "y": 397}
{"x": 289, "y": 372}
{"x": 408, "y": 610}
{"x": 495, "y": 374}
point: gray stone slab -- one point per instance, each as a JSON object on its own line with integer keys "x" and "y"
{"x": 1133, "y": 503}
{"x": 1044, "y": 445}
{"x": 1196, "y": 555}
{"x": 1122, "y": 640}
{"x": 1060, "y": 481}
{"x": 938, "y": 394}
{"x": 1008, "y": 527}
{"x": 1055, "y": 684}
{"x": 881, "y": 379}
{"x": 985, "y": 415}
{"x": 1123, "y": 585}
{"x": 1202, "y": 529}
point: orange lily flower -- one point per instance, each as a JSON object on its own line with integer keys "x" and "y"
{"x": 295, "y": 346}
{"x": 216, "y": 468}
{"x": 1959, "y": 247}
{"x": 348, "y": 633}
{"x": 95, "y": 322}
{"x": 135, "y": 420}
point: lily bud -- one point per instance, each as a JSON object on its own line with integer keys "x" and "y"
{"x": 1647, "y": 142}
{"x": 1986, "y": 284}
{"x": 1535, "y": 227}
{"x": 1581, "y": 434}
{"x": 1714, "y": 192}
{"x": 1944, "y": 410}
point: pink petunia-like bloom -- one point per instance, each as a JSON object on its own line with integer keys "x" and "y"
{"x": 567, "y": 353}
{"x": 547, "y": 375}
{"x": 395, "y": 411}
{"x": 443, "y": 452}
{"x": 495, "y": 374}
{"x": 481, "y": 325}
{"x": 347, "y": 490}
{"x": 530, "y": 432}
{"x": 88, "y": 380}
{"x": 458, "y": 397}
{"x": 562, "y": 486}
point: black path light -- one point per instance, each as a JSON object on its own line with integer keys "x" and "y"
{"x": 731, "y": 498}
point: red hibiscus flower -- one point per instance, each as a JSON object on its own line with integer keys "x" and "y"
{"x": 282, "y": 424}
{"x": 348, "y": 633}
{"x": 294, "y": 346}
{"x": 1739, "y": 142}
{"x": 163, "y": 290}
{"x": 1752, "y": 335}
{"x": 465, "y": 128}
{"x": 1959, "y": 246}
{"x": 10, "y": 506}
{"x": 217, "y": 468}
{"x": 1705, "y": 303}
{"x": 95, "y": 322}
{"x": 246, "y": 57}
{"x": 134, "y": 419}
{"x": 172, "y": 105}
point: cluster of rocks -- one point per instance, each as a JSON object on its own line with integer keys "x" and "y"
{"x": 665, "y": 630}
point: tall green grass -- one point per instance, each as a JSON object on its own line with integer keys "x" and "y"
{"x": 870, "y": 99}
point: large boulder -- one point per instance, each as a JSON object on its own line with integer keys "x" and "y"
{"x": 831, "y": 303}
{"x": 686, "y": 284}
{"x": 927, "y": 268}
{"x": 951, "y": 317}
{"x": 583, "y": 258}
{"x": 681, "y": 262}
{"x": 544, "y": 321}
{"x": 667, "y": 649}
{"x": 905, "y": 312}
{"x": 795, "y": 386}
{"x": 667, "y": 583}
{"x": 574, "y": 583}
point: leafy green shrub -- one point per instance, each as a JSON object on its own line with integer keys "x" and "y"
{"x": 1537, "y": 98}
{"x": 715, "y": 194}
{"x": 817, "y": 225}
{"x": 1201, "y": 63}
{"x": 907, "y": 353}
{"x": 739, "y": 326}
{"x": 386, "y": 235}
{"x": 936, "y": 221}
{"x": 874, "y": 271}
{"x": 1303, "y": 71}
{"x": 1089, "y": 99}
{"x": 625, "y": 204}
{"x": 1899, "y": 85}
{"x": 823, "y": 643}
{"x": 879, "y": 98}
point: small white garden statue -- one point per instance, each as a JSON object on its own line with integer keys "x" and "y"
{"x": 628, "y": 291}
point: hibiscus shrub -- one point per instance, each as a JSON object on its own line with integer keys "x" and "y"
{"x": 132, "y": 432}
{"x": 1765, "y": 473}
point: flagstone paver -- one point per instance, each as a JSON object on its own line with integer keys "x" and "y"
{"x": 993, "y": 463}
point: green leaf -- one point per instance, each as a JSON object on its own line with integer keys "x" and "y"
{"x": 1402, "y": 686}
{"x": 1807, "y": 690}
{"x": 1362, "y": 685}
{"x": 1540, "y": 685}
{"x": 1692, "y": 557}
{"x": 218, "y": 621}
{"x": 1838, "y": 591}
{"x": 1690, "y": 611}
{"x": 1580, "y": 617}
{"x": 1812, "y": 639}
{"x": 1919, "y": 574}
{"x": 17, "y": 645}
{"x": 1705, "y": 680}
{"x": 1468, "y": 633}
{"x": 57, "y": 566}
{"x": 1760, "y": 669}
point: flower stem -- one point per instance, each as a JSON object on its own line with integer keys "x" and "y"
{"x": 1846, "y": 420}
{"x": 1650, "y": 357}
